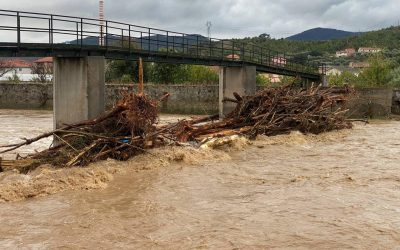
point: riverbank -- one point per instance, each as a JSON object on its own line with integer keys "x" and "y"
{"x": 187, "y": 99}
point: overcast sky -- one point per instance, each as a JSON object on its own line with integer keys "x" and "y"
{"x": 230, "y": 18}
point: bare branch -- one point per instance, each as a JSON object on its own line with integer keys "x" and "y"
{"x": 5, "y": 67}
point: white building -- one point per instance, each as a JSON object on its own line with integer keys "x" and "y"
{"x": 18, "y": 67}
{"x": 346, "y": 52}
{"x": 367, "y": 50}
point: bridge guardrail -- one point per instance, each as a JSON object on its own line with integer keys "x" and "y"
{"x": 29, "y": 27}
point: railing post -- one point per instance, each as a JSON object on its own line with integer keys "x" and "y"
{"x": 129, "y": 39}
{"x": 173, "y": 44}
{"x": 77, "y": 33}
{"x": 18, "y": 29}
{"x": 157, "y": 43}
{"x": 233, "y": 49}
{"x": 149, "y": 40}
{"x": 187, "y": 47}
{"x": 167, "y": 43}
{"x": 222, "y": 50}
{"x": 197, "y": 46}
{"x": 106, "y": 36}
{"x": 81, "y": 32}
{"x": 252, "y": 53}
{"x": 141, "y": 40}
{"x": 183, "y": 44}
{"x": 101, "y": 38}
{"x": 122, "y": 38}
{"x": 243, "y": 51}
{"x": 209, "y": 46}
{"x": 51, "y": 30}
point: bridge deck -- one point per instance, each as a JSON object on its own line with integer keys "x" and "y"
{"x": 37, "y": 34}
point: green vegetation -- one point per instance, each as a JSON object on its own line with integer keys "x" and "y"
{"x": 14, "y": 78}
{"x": 163, "y": 73}
{"x": 382, "y": 72}
{"x": 395, "y": 77}
{"x": 386, "y": 38}
{"x": 384, "y": 68}
{"x": 262, "y": 80}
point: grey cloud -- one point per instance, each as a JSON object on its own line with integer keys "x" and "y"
{"x": 231, "y": 18}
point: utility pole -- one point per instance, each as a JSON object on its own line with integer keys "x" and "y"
{"x": 101, "y": 18}
{"x": 209, "y": 25}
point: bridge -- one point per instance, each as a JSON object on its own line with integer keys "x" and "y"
{"x": 80, "y": 45}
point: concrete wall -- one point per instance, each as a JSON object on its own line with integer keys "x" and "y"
{"x": 189, "y": 99}
{"x": 372, "y": 103}
{"x": 396, "y": 102}
{"x": 26, "y": 96}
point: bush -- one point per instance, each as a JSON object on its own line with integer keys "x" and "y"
{"x": 126, "y": 79}
{"x": 262, "y": 80}
{"x": 176, "y": 74}
{"x": 378, "y": 73}
{"x": 202, "y": 74}
{"x": 14, "y": 78}
{"x": 395, "y": 77}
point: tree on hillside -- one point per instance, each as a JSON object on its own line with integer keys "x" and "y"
{"x": 125, "y": 71}
{"x": 395, "y": 77}
{"x": 265, "y": 36}
{"x": 378, "y": 73}
{"x": 167, "y": 73}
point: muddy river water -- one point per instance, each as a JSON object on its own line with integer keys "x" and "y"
{"x": 339, "y": 190}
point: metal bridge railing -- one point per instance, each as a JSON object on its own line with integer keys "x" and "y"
{"x": 37, "y": 28}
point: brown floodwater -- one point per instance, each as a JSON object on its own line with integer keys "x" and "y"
{"x": 339, "y": 190}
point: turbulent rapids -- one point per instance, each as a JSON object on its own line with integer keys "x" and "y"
{"x": 272, "y": 192}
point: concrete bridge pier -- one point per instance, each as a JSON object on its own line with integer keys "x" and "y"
{"x": 241, "y": 80}
{"x": 79, "y": 89}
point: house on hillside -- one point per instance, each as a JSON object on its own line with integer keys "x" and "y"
{"x": 23, "y": 69}
{"x": 273, "y": 78}
{"x": 16, "y": 68}
{"x": 280, "y": 60}
{"x": 346, "y": 52}
{"x": 368, "y": 50}
{"x": 339, "y": 70}
{"x": 43, "y": 69}
{"x": 45, "y": 62}
{"x": 333, "y": 71}
{"x": 359, "y": 65}
{"x": 234, "y": 57}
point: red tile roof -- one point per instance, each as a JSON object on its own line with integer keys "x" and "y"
{"x": 44, "y": 60}
{"x": 17, "y": 63}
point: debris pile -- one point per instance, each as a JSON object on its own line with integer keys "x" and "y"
{"x": 130, "y": 127}
{"x": 275, "y": 111}
{"x": 119, "y": 134}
